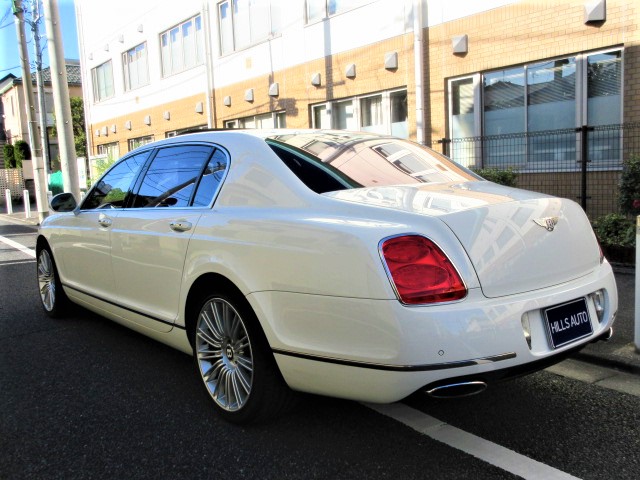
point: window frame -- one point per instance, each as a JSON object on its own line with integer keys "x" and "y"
{"x": 357, "y": 105}
{"x": 167, "y": 68}
{"x": 276, "y": 117}
{"x": 145, "y": 140}
{"x": 580, "y": 100}
{"x": 325, "y": 12}
{"x": 126, "y": 67}
{"x": 96, "y": 76}
{"x": 107, "y": 149}
{"x": 231, "y": 28}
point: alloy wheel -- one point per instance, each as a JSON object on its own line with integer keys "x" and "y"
{"x": 224, "y": 354}
{"x": 47, "y": 280}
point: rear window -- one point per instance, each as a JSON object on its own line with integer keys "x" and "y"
{"x": 336, "y": 161}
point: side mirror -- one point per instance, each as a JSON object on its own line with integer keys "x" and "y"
{"x": 63, "y": 202}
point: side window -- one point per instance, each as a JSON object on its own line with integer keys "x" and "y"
{"x": 112, "y": 190}
{"x": 172, "y": 176}
{"x": 211, "y": 179}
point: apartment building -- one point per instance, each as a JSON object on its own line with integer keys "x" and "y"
{"x": 466, "y": 77}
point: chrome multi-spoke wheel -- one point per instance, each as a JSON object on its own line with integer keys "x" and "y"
{"x": 47, "y": 280}
{"x": 224, "y": 354}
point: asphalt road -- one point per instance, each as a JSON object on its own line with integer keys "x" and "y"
{"x": 85, "y": 398}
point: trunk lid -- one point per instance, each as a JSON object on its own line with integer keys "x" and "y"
{"x": 517, "y": 241}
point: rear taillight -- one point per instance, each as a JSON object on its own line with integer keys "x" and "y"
{"x": 420, "y": 272}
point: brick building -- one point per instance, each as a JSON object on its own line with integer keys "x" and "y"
{"x": 467, "y": 77}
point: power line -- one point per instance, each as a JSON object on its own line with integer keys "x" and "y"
{"x": 10, "y": 68}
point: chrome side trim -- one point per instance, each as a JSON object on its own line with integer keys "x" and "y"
{"x": 137, "y": 312}
{"x": 399, "y": 368}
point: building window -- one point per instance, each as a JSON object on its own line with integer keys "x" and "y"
{"x": 136, "y": 67}
{"x": 111, "y": 150}
{"x": 139, "y": 141}
{"x": 245, "y": 22}
{"x": 174, "y": 133}
{"x": 182, "y": 47}
{"x": 102, "y": 77}
{"x": 319, "y": 9}
{"x": 384, "y": 113}
{"x": 266, "y": 121}
{"x": 553, "y": 95}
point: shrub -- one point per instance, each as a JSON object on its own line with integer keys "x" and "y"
{"x": 615, "y": 229}
{"x": 629, "y": 199}
{"x": 22, "y": 152}
{"x": 9, "y": 156}
{"x": 508, "y": 177}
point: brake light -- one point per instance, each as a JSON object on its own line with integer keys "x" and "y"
{"x": 420, "y": 272}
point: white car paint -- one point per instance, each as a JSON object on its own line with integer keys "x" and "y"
{"x": 309, "y": 264}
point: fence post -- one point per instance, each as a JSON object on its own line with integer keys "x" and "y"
{"x": 637, "y": 309}
{"x": 584, "y": 159}
{"x": 445, "y": 146}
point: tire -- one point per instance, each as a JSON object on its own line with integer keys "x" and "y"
{"x": 234, "y": 361}
{"x": 52, "y": 297}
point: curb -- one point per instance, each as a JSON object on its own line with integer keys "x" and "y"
{"x": 20, "y": 219}
{"x": 609, "y": 361}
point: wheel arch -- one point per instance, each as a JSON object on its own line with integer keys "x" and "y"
{"x": 41, "y": 243}
{"x": 206, "y": 283}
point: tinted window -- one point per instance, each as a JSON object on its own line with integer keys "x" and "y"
{"x": 172, "y": 176}
{"x": 316, "y": 175}
{"x": 368, "y": 160}
{"x": 210, "y": 181}
{"x": 114, "y": 188}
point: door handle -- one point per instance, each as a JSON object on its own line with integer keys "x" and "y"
{"x": 180, "y": 225}
{"x": 104, "y": 221}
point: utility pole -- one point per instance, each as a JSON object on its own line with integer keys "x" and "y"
{"x": 44, "y": 137}
{"x": 62, "y": 105}
{"x": 27, "y": 88}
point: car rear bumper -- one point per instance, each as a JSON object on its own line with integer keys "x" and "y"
{"x": 381, "y": 351}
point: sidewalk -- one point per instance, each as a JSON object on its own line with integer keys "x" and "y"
{"x": 619, "y": 352}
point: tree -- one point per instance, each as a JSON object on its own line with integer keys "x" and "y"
{"x": 77, "y": 122}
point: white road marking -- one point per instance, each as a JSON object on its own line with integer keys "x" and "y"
{"x": 23, "y": 262}
{"x": 18, "y": 246}
{"x": 485, "y": 450}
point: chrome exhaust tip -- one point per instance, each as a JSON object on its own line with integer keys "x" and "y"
{"x": 458, "y": 390}
{"x": 605, "y": 337}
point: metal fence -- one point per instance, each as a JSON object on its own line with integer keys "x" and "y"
{"x": 583, "y": 164}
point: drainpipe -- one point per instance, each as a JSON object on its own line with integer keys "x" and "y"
{"x": 418, "y": 60}
{"x": 208, "y": 62}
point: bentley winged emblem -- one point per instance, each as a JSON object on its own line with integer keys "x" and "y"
{"x": 548, "y": 223}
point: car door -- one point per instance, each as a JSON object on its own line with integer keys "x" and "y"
{"x": 150, "y": 239}
{"x": 84, "y": 250}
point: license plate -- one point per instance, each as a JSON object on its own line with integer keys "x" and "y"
{"x": 568, "y": 322}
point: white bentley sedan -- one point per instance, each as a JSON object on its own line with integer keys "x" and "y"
{"x": 345, "y": 264}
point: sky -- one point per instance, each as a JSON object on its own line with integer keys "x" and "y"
{"x": 9, "y": 56}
